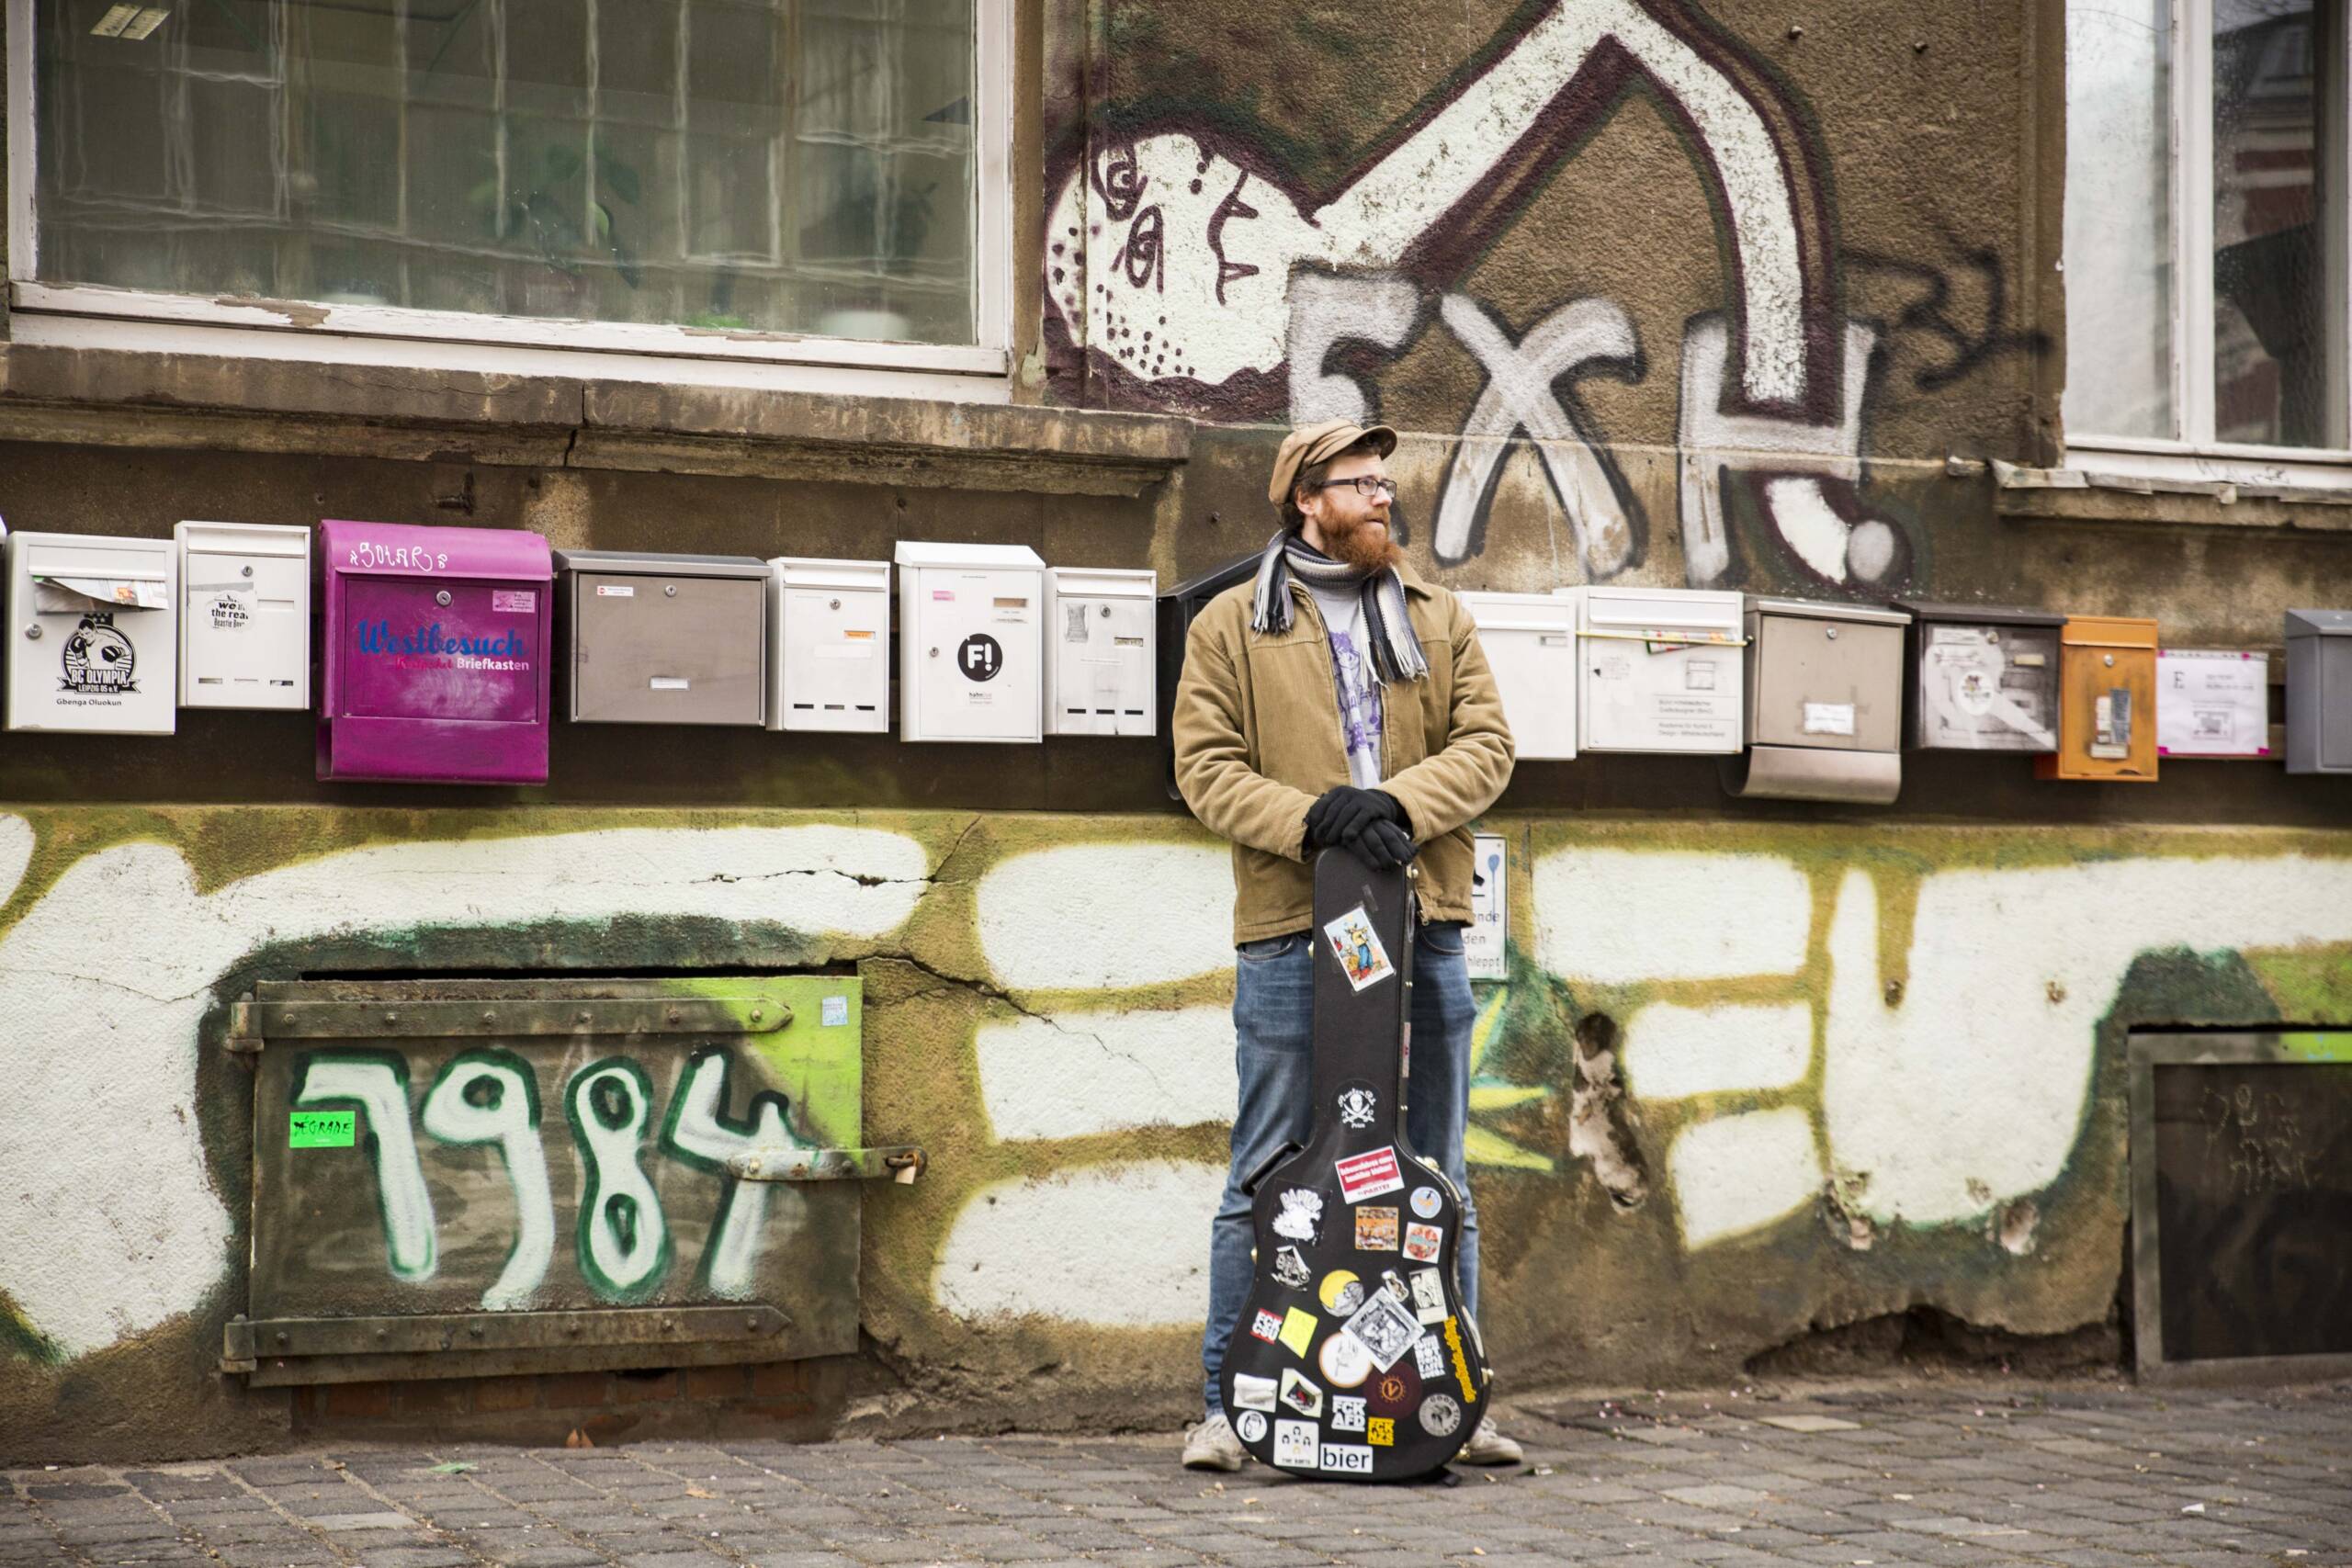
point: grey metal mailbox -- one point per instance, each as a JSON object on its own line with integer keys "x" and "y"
{"x": 665, "y": 640}
{"x": 1824, "y": 703}
{"x": 2319, "y": 691}
{"x": 1983, "y": 678}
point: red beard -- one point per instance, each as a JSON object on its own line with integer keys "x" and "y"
{"x": 1364, "y": 546}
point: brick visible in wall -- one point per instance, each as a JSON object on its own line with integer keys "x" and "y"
{"x": 358, "y": 1400}
{"x": 644, "y": 1388}
{"x": 718, "y": 1383}
{"x": 437, "y": 1396}
{"x": 494, "y": 1395}
{"x": 575, "y": 1391}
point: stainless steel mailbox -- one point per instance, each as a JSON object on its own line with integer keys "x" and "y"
{"x": 1983, "y": 678}
{"x": 2319, "y": 691}
{"x": 665, "y": 638}
{"x": 1824, "y": 703}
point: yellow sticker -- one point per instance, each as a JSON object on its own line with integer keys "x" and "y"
{"x": 1298, "y": 1330}
{"x": 1336, "y": 1295}
{"x": 1382, "y": 1430}
{"x": 1461, "y": 1362}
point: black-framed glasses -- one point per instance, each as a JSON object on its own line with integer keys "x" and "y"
{"x": 1363, "y": 484}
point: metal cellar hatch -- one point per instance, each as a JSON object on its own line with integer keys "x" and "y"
{"x": 462, "y": 1178}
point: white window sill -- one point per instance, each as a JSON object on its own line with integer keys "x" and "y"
{"x": 2253, "y": 468}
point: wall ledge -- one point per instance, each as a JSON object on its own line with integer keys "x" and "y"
{"x": 172, "y": 402}
{"x": 2090, "y": 495}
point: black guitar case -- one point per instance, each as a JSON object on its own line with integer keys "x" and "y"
{"x": 1352, "y": 1358}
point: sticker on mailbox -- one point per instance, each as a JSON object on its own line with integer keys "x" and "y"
{"x": 611, "y": 590}
{"x": 321, "y": 1129}
{"x": 514, "y": 600}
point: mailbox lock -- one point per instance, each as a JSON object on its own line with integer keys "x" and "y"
{"x": 1833, "y": 634}
{"x": 2111, "y": 662}
{"x": 669, "y": 591}
{"x": 247, "y": 569}
{"x": 33, "y": 633}
{"x": 442, "y": 598}
{"x": 1105, "y": 612}
{"x": 934, "y": 653}
{"x": 834, "y": 604}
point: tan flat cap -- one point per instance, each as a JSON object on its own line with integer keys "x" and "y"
{"x": 1316, "y": 444}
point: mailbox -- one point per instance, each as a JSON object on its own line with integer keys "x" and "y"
{"x": 665, "y": 638}
{"x": 2319, "y": 691}
{"x": 1098, "y": 671}
{"x": 93, "y": 634}
{"x": 1178, "y": 609}
{"x": 1658, "y": 669}
{"x": 438, "y": 654}
{"x": 1530, "y": 645}
{"x": 970, "y": 653}
{"x": 1824, "y": 703}
{"x": 1982, "y": 679}
{"x": 245, "y": 616}
{"x": 2106, "y": 701}
{"x": 828, "y": 639}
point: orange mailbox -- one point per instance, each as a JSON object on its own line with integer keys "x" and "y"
{"x": 2107, "y": 703}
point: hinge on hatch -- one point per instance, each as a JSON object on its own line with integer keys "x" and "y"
{"x": 901, "y": 1163}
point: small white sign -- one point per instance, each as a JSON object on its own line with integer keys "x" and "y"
{"x": 1830, "y": 718}
{"x": 1294, "y": 1444}
{"x": 832, "y": 1012}
{"x": 2212, "y": 704}
{"x": 1484, "y": 939}
{"x": 1350, "y": 1458}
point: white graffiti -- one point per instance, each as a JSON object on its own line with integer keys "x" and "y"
{"x": 380, "y": 1091}
{"x": 1125, "y": 1246}
{"x": 732, "y": 1263}
{"x": 624, "y": 1235}
{"x": 481, "y": 1100}
{"x": 1076, "y": 1074}
{"x": 1074, "y": 917}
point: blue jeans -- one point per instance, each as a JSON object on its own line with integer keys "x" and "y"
{"x": 1273, "y": 1023}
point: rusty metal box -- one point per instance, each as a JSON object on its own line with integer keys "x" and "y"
{"x": 2106, "y": 701}
{"x": 665, "y": 638}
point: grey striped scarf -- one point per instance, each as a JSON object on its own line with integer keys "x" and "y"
{"x": 1395, "y": 652}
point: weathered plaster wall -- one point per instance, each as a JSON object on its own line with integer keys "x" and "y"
{"x": 1743, "y": 1080}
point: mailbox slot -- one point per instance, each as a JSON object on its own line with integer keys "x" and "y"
{"x": 2107, "y": 695}
{"x": 1983, "y": 678}
{"x": 1099, "y": 634}
{"x": 2319, "y": 691}
{"x": 245, "y": 616}
{"x": 665, "y": 640}
{"x": 1531, "y": 644}
{"x": 1659, "y": 670}
{"x": 93, "y": 634}
{"x": 828, "y": 644}
{"x": 1824, "y": 703}
{"x": 970, "y": 648}
{"x": 439, "y": 645}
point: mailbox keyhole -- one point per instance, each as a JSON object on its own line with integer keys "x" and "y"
{"x": 1833, "y": 634}
{"x": 834, "y": 604}
{"x": 247, "y": 569}
{"x": 2111, "y": 662}
{"x": 1105, "y": 612}
{"x": 669, "y": 591}
{"x": 442, "y": 598}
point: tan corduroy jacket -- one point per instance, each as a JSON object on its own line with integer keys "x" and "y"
{"x": 1257, "y": 736}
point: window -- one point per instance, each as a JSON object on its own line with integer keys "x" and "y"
{"x": 818, "y": 179}
{"x": 2205, "y": 229}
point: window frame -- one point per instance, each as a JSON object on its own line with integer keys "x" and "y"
{"x": 2194, "y": 451}
{"x": 95, "y": 315}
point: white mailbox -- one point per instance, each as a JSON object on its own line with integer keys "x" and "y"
{"x": 1659, "y": 670}
{"x": 93, "y": 634}
{"x": 1530, "y": 643}
{"x": 1100, "y": 670}
{"x": 828, "y": 640}
{"x": 970, "y": 652}
{"x": 245, "y": 616}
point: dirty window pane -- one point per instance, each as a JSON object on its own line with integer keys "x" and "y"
{"x": 800, "y": 166}
{"x": 2276, "y": 344}
{"x": 2119, "y": 218}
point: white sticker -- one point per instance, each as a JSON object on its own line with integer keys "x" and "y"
{"x": 1483, "y": 940}
{"x": 1442, "y": 1414}
{"x": 1290, "y": 1268}
{"x": 1251, "y": 1427}
{"x": 1830, "y": 718}
{"x": 1425, "y": 1201}
{"x": 1357, "y": 947}
{"x": 832, "y": 1012}
{"x": 1429, "y": 1297}
{"x": 1343, "y": 1361}
{"x": 670, "y": 682}
{"x": 1302, "y": 1216}
{"x": 1699, "y": 675}
{"x": 1385, "y": 1329}
{"x": 514, "y": 600}
{"x": 1429, "y": 1356}
{"x": 1299, "y": 1395}
{"x": 615, "y": 590}
{"x": 1348, "y": 1459}
{"x": 1347, "y": 1413}
{"x": 1422, "y": 1242}
{"x": 1252, "y": 1393}
{"x": 1294, "y": 1444}
{"x": 2212, "y": 704}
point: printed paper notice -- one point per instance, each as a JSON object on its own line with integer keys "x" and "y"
{"x": 1369, "y": 1175}
{"x": 1484, "y": 939}
{"x": 2212, "y": 704}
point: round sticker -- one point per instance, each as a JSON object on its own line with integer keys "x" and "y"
{"x": 1253, "y": 1426}
{"x": 1344, "y": 1361}
{"x": 981, "y": 658}
{"x": 1342, "y": 1291}
{"x": 1440, "y": 1415}
{"x": 1357, "y": 1105}
{"x": 1391, "y": 1392}
{"x": 1426, "y": 1201}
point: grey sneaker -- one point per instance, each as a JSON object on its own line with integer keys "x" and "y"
{"x": 1212, "y": 1446}
{"x": 1486, "y": 1446}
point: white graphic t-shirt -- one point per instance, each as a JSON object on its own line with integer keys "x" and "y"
{"x": 1354, "y": 682}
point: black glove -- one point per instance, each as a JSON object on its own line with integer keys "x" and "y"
{"x": 1382, "y": 846}
{"x": 1340, "y": 814}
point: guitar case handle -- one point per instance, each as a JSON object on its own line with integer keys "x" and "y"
{"x": 1266, "y": 1166}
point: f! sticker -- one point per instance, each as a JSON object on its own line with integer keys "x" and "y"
{"x": 1357, "y": 947}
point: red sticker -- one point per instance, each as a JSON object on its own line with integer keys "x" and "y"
{"x": 1267, "y": 1327}
{"x": 1369, "y": 1175}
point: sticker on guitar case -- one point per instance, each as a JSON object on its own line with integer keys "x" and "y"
{"x": 1343, "y": 1361}
{"x": 1375, "y": 1230}
{"x": 1291, "y": 1269}
{"x": 1425, "y": 1202}
{"x": 1357, "y": 947}
{"x": 1381, "y": 1432}
{"x": 1429, "y": 1356}
{"x": 1266, "y": 1326}
{"x": 1428, "y": 1296}
{"x": 1342, "y": 1291}
{"x": 1423, "y": 1242}
{"x": 1440, "y": 1416}
{"x": 1347, "y": 1413}
{"x": 1369, "y": 1175}
{"x": 1251, "y": 1426}
{"x": 1386, "y": 1328}
{"x": 1298, "y": 1331}
{"x": 1395, "y": 1285}
{"x": 1357, "y": 1105}
{"x": 1461, "y": 1362}
{"x": 1294, "y": 1444}
{"x": 1300, "y": 1394}
{"x": 1252, "y": 1393}
{"x": 1302, "y": 1216}
{"x": 1348, "y": 1459}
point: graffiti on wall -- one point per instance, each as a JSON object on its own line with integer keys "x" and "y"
{"x": 1187, "y": 271}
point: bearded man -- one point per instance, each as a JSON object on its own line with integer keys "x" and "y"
{"x": 1338, "y": 699}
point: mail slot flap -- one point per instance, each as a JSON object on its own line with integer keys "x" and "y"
{"x": 404, "y": 549}
{"x": 977, "y": 557}
{"x": 1806, "y": 773}
{"x": 2109, "y": 631}
{"x": 625, "y": 563}
{"x": 812, "y": 571}
{"x": 1635, "y": 610}
{"x": 2319, "y": 623}
{"x": 242, "y": 539}
{"x": 1827, "y": 610}
{"x": 1979, "y": 615}
{"x": 1105, "y": 582}
{"x": 72, "y": 596}
{"x": 71, "y": 575}
{"x": 1501, "y": 612}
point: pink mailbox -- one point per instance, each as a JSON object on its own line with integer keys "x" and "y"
{"x": 437, "y": 645}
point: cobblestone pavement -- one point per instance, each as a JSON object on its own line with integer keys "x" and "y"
{"x": 2080, "y": 1475}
